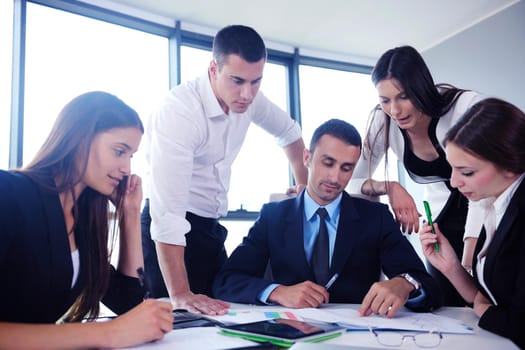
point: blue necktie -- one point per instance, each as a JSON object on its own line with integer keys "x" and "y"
{"x": 321, "y": 253}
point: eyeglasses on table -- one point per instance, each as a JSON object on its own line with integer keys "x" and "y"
{"x": 430, "y": 339}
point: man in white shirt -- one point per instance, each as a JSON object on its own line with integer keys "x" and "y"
{"x": 191, "y": 143}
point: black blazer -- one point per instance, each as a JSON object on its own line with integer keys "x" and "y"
{"x": 504, "y": 272}
{"x": 368, "y": 241}
{"x": 35, "y": 259}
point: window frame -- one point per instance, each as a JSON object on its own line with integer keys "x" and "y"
{"x": 170, "y": 29}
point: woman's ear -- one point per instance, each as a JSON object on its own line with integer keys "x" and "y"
{"x": 509, "y": 174}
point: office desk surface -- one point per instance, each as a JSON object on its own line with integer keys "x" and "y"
{"x": 208, "y": 337}
{"x": 481, "y": 339}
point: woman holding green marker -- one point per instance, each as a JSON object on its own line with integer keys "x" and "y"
{"x": 429, "y": 220}
{"x": 486, "y": 150}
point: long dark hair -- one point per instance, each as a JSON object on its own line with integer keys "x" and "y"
{"x": 492, "y": 130}
{"x": 63, "y": 158}
{"x": 405, "y": 65}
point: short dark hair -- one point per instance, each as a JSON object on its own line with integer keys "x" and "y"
{"x": 493, "y": 130}
{"x": 238, "y": 40}
{"x": 339, "y": 129}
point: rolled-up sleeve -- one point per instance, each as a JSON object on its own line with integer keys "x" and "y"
{"x": 368, "y": 161}
{"x": 172, "y": 137}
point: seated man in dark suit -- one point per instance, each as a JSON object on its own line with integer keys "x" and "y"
{"x": 357, "y": 240}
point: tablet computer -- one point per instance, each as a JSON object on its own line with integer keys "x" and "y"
{"x": 184, "y": 319}
{"x": 284, "y": 332}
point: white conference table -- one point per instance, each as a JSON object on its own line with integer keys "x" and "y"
{"x": 204, "y": 338}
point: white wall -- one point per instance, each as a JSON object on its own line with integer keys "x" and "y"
{"x": 488, "y": 57}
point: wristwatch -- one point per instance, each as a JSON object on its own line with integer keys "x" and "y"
{"x": 412, "y": 281}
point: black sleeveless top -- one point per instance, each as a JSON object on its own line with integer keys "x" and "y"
{"x": 422, "y": 171}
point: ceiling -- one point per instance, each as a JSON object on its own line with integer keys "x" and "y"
{"x": 362, "y": 29}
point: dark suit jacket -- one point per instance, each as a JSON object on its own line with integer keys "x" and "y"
{"x": 35, "y": 259}
{"x": 504, "y": 272}
{"x": 368, "y": 240}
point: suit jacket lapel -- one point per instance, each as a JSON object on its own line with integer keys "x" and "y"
{"x": 503, "y": 229}
{"x": 59, "y": 243}
{"x": 295, "y": 232}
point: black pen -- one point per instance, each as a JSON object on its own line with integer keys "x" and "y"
{"x": 143, "y": 282}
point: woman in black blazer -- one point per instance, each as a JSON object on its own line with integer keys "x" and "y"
{"x": 54, "y": 236}
{"x": 486, "y": 150}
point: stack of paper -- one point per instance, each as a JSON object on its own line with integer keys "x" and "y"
{"x": 406, "y": 321}
{"x": 348, "y": 318}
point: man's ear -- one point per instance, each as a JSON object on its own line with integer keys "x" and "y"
{"x": 213, "y": 69}
{"x": 306, "y": 158}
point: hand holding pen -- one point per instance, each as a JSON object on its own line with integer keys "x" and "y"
{"x": 429, "y": 218}
{"x": 331, "y": 281}
{"x": 443, "y": 258}
{"x": 148, "y": 321}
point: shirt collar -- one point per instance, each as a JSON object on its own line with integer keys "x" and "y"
{"x": 310, "y": 207}
{"x": 212, "y": 108}
{"x": 501, "y": 203}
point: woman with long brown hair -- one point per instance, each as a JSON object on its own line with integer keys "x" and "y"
{"x": 55, "y": 241}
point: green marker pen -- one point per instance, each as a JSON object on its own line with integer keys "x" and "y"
{"x": 429, "y": 218}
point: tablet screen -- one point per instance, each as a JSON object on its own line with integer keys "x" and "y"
{"x": 283, "y": 328}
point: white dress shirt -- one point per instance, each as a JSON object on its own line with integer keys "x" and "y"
{"x": 190, "y": 145}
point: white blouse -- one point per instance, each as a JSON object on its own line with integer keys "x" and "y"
{"x": 75, "y": 257}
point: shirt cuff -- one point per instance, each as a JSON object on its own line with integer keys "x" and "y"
{"x": 265, "y": 294}
{"x": 414, "y": 301}
{"x": 169, "y": 229}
